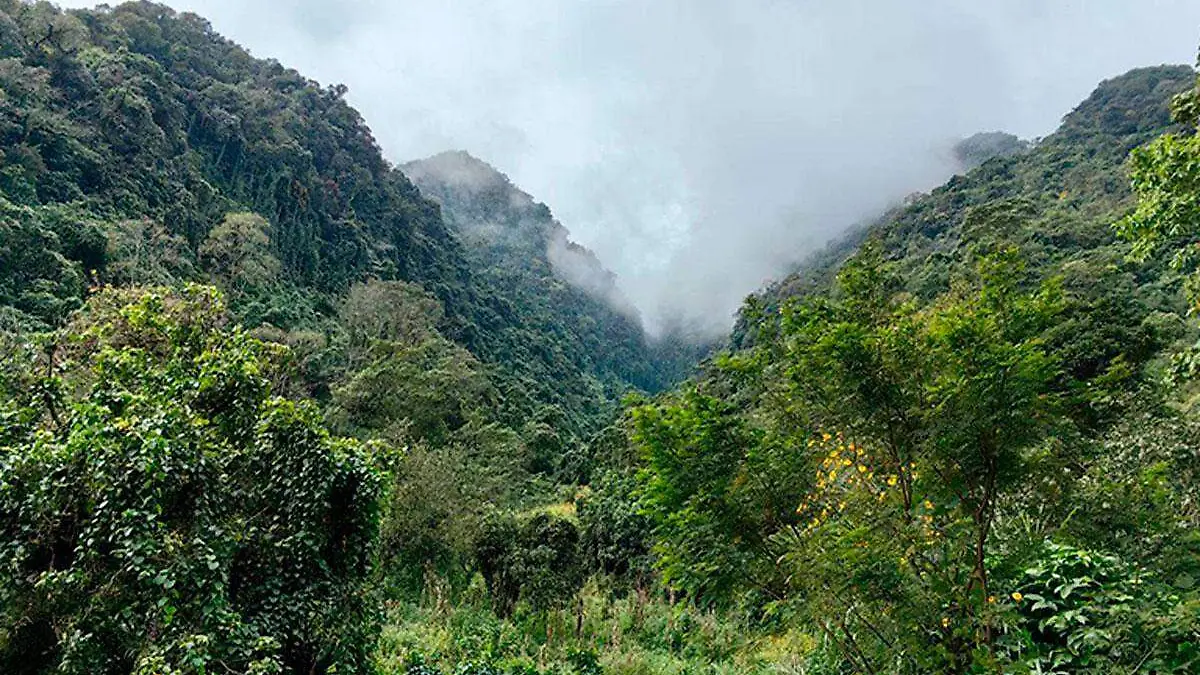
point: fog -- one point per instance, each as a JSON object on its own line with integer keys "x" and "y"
{"x": 700, "y": 148}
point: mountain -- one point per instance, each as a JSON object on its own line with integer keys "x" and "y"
{"x": 1070, "y": 187}
{"x": 271, "y": 404}
{"x": 561, "y": 292}
{"x": 946, "y": 424}
{"x": 979, "y": 148}
{"x": 130, "y": 136}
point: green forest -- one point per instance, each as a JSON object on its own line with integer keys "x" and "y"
{"x": 271, "y": 404}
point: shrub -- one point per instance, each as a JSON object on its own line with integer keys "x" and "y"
{"x": 169, "y": 514}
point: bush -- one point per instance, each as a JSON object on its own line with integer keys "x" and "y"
{"x": 169, "y": 514}
{"x": 537, "y": 561}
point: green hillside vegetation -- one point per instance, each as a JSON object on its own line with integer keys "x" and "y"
{"x": 565, "y": 300}
{"x": 969, "y": 447}
{"x": 142, "y": 148}
{"x": 269, "y": 404}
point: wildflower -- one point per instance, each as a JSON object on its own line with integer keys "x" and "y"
{"x": 826, "y": 437}
{"x": 862, "y": 469}
{"x": 945, "y": 622}
{"x": 928, "y": 504}
{"x": 892, "y": 481}
{"x": 991, "y": 599}
{"x": 1017, "y": 596}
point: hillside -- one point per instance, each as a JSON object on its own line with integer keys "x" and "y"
{"x": 130, "y": 134}
{"x": 270, "y": 404}
{"x": 1073, "y": 183}
{"x": 562, "y": 296}
{"x": 934, "y": 435}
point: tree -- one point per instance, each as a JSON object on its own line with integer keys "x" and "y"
{"x": 144, "y": 253}
{"x": 380, "y": 313}
{"x": 238, "y": 252}
{"x": 535, "y": 560}
{"x": 1166, "y": 180}
{"x": 942, "y": 401}
{"x": 716, "y": 487}
{"x": 167, "y": 513}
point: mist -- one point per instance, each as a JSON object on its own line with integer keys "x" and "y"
{"x": 701, "y": 148}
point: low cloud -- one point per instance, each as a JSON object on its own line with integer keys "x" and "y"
{"x": 700, "y": 148}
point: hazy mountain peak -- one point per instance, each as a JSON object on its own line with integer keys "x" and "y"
{"x": 492, "y": 213}
{"x": 459, "y": 169}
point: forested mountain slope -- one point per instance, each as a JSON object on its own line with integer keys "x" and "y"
{"x": 269, "y": 406}
{"x": 249, "y": 376}
{"x": 129, "y": 135}
{"x": 566, "y": 301}
{"x": 966, "y": 440}
{"x": 1070, "y": 187}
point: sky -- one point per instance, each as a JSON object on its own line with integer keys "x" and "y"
{"x": 702, "y": 147}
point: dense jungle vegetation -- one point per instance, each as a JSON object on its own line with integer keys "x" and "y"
{"x": 269, "y": 404}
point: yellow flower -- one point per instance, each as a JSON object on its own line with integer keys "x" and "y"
{"x": 825, "y": 437}
{"x": 892, "y": 481}
{"x": 1017, "y": 596}
{"x": 928, "y": 504}
{"x": 991, "y": 599}
{"x": 862, "y": 469}
{"x": 945, "y": 622}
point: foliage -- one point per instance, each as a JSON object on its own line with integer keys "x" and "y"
{"x": 1166, "y": 179}
{"x": 167, "y": 513}
{"x": 140, "y": 147}
{"x": 616, "y": 534}
{"x": 238, "y": 252}
{"x": 1079, "y": 611}
{"x": 715, "y": 490}
{"x": 958, "y": 441}
{"x": 972, "y": 388}
{"x": 535, "y": 560}
{"x": 632, "y": 634}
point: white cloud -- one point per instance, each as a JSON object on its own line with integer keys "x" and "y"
{"x": 700, "y": 146}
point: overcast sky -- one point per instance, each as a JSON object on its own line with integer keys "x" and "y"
{"x": 699, "y": 147}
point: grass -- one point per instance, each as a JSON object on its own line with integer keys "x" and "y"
{"x": 622, "y": 635}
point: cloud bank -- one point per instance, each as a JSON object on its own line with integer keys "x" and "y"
{"x": 700, "y": 147}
